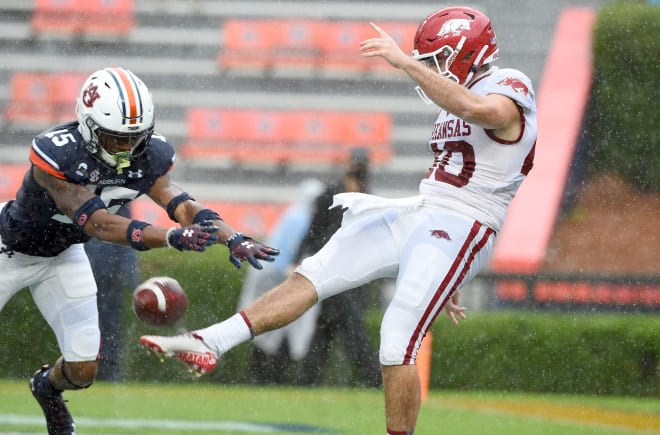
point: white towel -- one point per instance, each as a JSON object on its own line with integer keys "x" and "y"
{"x": 358, "y": 203}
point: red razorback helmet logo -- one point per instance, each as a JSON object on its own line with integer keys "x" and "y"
{"x": 90, "y": 94}
{"x": 515, "y": 84}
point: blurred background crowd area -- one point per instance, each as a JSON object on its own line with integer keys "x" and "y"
{"x": 258, "y": 96}
{"x": 203, "y": 58}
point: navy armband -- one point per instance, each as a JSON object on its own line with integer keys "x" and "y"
{"x": 205, "y": 215}
{"x": 174, "y": 203}
{"x": 135, "y": 235}
{"x": 86, "y": 210}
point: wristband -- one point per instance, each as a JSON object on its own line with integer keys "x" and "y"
{"x": 85, "y": 211}
{"x": 167, "y": 236}
{"x": 205, "y": 215}
{"x": 174, "y": 203}
{"x": 134, "y": 235}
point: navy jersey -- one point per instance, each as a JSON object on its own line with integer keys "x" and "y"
{"x": 33, "y": 225}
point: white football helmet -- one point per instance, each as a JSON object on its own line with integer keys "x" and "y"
{"x": 115, "y": 114}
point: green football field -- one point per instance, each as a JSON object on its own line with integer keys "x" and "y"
{"x": 220, "y": 409}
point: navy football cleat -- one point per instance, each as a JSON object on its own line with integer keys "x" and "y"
{"x": 58, "y": 418}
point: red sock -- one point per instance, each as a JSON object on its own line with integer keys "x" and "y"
{"x": 399, "y": 432}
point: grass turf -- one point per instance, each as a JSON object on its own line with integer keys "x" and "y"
{"x": 130, "y": 408}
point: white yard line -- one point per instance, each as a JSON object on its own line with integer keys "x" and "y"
{"x": 18, "y": 420}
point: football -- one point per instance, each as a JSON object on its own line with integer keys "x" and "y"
{"x": 160, "y": 301}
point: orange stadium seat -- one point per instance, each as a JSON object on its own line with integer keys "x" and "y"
{"x": 297, "y": 43}
{"x": 258, "y": 43}
{"x": 115, "y": 17}
{"x": 61, "y": 16}
{"x": 65, "y": 88}
{"x": 42, "y": 98}
{"x": 284, "y": 136}
{"x": 29, "y": 99}
{"x": 402, "y": 32}
{"x": 247, "y": 43}
{"x": 341, "y": 45}
{"x": 11, "y": 177}
{"x": 324, "y": 44}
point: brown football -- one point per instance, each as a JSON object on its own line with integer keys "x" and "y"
{"x": 160, "y": 301}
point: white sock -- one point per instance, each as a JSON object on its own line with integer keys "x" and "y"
{"x": 225, "y": 335}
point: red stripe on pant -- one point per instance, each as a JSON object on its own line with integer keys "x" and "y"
{"x": 437, "y": 304}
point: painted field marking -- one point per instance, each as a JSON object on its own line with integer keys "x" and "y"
{"x": 201, "y": 426}
{"x": 574, "y": 413}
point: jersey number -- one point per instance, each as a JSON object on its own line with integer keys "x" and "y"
{"x": 61, "y": 137}
{"x": 448, "y": 153}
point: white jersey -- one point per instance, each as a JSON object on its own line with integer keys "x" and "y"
{"x": 435, "y": 242}
{"x": 473, "y": 172}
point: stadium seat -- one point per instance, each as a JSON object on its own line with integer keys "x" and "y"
{"x": 42, "y": 98}
{"x": 65, "y": 88}
{"x": 114, "y": 17}
{"x": 403, "y": 33}
{"x": 265, "y": 44}
{"x": 29, "y": 99}
{"x": 61, "y": 16}
{"x": 341, "y": 45}
{"x": 11, "y": 177}
{"x": 303, "y": 43}
{"x": 282, "y": 137}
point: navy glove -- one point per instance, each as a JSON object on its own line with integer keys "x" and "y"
{"x": 243, "y": 248}
{"x": 192, "y": 238}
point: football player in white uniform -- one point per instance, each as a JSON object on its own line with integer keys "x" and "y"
{"x": 81, "y": 173}
{"x": 432, "y": 244}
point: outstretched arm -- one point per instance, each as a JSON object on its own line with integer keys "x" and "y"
{"x": 87, "y": 211}
{"x": 185, "y": 210}
{"x": 495, "y": 112}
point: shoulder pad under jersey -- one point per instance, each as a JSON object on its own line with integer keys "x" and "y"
{"x": 159, "y": 155}
{"x": 513, "y": 84}
{"x": 57, "y": 148}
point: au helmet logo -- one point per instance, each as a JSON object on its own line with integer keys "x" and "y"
{"x": 90, "y": 94}
{"x": 454, "y": 27}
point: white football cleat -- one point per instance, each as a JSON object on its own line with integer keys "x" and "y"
{"x": 188, "y": 348}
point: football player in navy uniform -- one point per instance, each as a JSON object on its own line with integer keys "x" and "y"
{"x": 81, "y": 173}
{"x": 482, "y": 148}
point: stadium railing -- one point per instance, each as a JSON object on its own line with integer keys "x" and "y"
{"x": 576, "y": 292}
{"x": 562, "y": 101}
